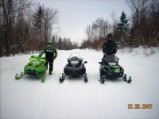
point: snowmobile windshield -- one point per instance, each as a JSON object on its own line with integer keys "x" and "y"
{"x": 111, "y": 58}
{"x": 75, "y": 54}
{"x": 75, "y": 58}
{"x": 35, "y": 62}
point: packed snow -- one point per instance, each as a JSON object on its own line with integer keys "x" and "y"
{"x": 28, "y": 98}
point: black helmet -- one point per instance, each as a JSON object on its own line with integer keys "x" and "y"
{"x": 109, "y": 35}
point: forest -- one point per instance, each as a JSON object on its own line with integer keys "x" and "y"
{"x": 140, "y": 29}
{"x": 26, "y": 27}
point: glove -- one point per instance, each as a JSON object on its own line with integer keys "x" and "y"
{"x": 105, "y": 54}
{"x": 39, "y": 56}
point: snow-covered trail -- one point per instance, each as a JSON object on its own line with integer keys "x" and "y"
{"x": 74, "y": 99}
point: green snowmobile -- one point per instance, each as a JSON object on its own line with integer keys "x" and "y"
{"x": 36, "y": 67}
{"x": 110, "y": 69}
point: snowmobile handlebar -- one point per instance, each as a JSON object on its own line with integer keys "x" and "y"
{"x": 37, "y": 57}
{"x": 85, "y": 62}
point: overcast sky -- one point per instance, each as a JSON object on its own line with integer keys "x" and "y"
{"x": 75, "y": 15}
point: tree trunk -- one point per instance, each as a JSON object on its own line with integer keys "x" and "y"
{"x": 6, "y": 42}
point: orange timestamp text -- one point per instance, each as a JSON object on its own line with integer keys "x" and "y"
{"x": 140, "y": 106}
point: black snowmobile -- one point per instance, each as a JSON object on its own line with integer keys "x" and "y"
{"x": 109, "y": 68}
{"x": 74, "y": 68}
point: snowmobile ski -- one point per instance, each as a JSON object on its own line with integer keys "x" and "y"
{"x": 17, "y": 77}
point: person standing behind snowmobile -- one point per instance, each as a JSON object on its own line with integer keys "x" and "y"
{"x": 109, "y": 47}
{"x": 50, "y": 55}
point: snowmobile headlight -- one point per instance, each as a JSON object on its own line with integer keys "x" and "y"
{"x": 74, "y": 62}
{"x": 112, "y": 63}
{"x": 35, "y": 62}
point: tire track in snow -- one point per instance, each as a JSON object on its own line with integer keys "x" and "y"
{"x": 43, "y": 99}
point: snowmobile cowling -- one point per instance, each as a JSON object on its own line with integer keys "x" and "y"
{"x": 36, "y": 67}
{"x": 110, "y": 69}
{"x": 74, "y": 68}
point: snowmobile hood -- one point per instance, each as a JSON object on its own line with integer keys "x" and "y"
{"x": 35, "y": 60}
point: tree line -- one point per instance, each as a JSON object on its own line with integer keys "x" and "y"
{"x": 142, "y": 29}
{"x": 27, "y": 27}
{"x": 64, "y": 43}
{"x": 24, "y": 26}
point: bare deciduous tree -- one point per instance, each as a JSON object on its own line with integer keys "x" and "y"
{"x": 145, "y": 17}
{"x": 17, "y": 33}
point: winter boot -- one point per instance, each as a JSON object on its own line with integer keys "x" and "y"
{"x": 50, "y": 73}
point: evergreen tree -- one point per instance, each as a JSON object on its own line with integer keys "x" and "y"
{"x": 38, "y": 19}
{"x": 123, "y": 25}
{"x": 122, "y": 30}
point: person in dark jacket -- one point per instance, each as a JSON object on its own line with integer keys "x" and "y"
{"x": 109, "y": 47}
{"x": 50, "y": 55}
